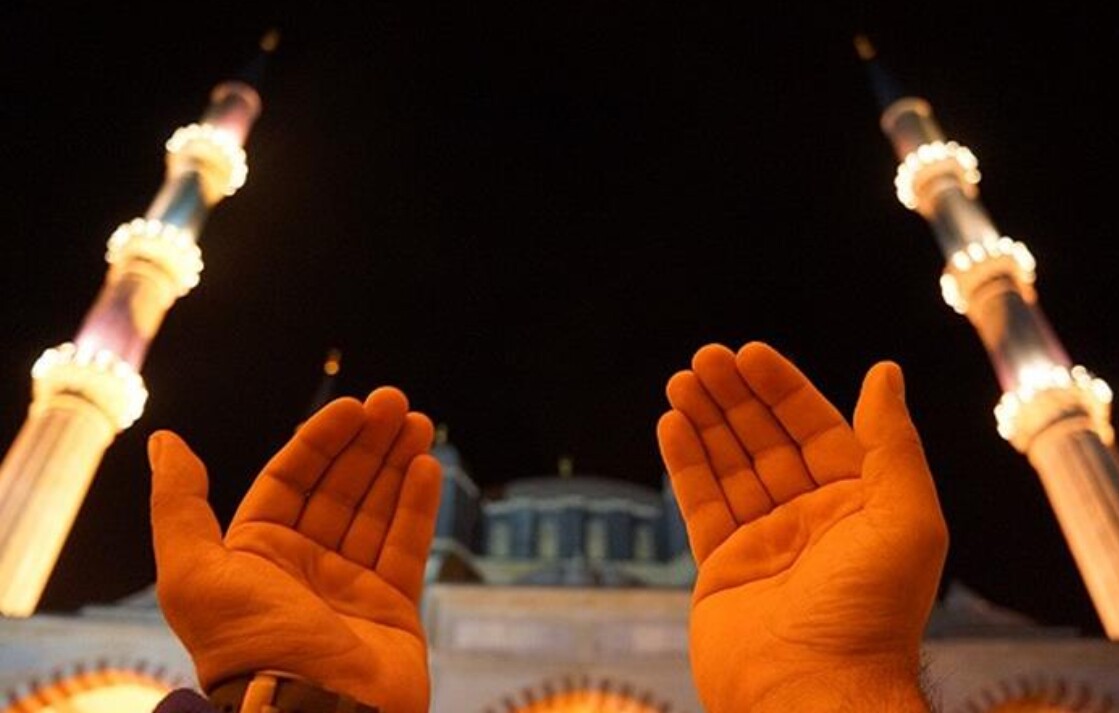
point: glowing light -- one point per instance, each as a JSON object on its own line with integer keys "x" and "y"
{"x": 581, "y": 697}
{"x": 585, "y": 701}
{"x": 973, "y": 264}
{"x": 215, "y": 148}
{"x": 333, "y": 363}
{"x": 171, "y": 247}
{"x": 101, "y": 691}
{"x": 939, "y": 155}
{"x": 270, "y": 41}
{"x": 950, "y": 291}
{"x": 864, "y": 48}
{"x": 101, "y": 377}
{"x": 1047, "y": 390}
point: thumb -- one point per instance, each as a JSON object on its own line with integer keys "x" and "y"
{"x": 894, "y": 469}
{"x": 183, "y": 525}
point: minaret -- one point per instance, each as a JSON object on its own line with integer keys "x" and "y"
{"x": 331, "y": 365}
{"x": 1054, "y": 412}
{"x": 88, "y": 390}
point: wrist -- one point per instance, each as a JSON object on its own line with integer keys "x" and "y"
{"x": 849, "y": 687}
{"x": 280, "y": 692}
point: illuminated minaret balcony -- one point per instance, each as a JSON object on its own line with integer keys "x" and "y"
{"x": 1055, "y": 412}
{"x": 87, "y": 390}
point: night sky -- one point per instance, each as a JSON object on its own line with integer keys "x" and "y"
{"x": 529, "y": 218}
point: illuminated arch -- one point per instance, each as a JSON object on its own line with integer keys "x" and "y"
{"x": 100, "y": 688}
{"x": 581, "y": 695}
{"x": 1040, "y": 694}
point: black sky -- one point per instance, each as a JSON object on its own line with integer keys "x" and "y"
{"x": 528, "y": 218}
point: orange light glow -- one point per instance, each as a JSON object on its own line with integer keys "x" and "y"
{"x": 1045, "y": 389}
{"x": 583, "y": 699}
{"x": 935, "y": 155}
{"x": 215, "y": 148}
{"x": 333, "y": 363}
{"x": 270, "y": 41}
{"x": 982, "y": 257}
{"x": 172, "y": 248}
{"x": 864, "y": 48}
{"x": 103, "y": 691}
{"x": 100, "y": 376}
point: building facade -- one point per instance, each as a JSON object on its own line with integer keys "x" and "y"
{"x": 561, "y": 593}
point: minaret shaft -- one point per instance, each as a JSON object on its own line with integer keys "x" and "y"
{"x": 1081, "y": 478}
{"x": 1054, "y": 412}
{"x": 181, "y": 202}
{"x": 957, "y": 220}
{"x": 1014, "y": 331}
{"x": 88, "y": 390}
{"x": 43, "y": 481}
{"x": 128, "y": 312}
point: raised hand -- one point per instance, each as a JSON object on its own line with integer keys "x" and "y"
{"x": 819, "y": 546}
{"x": 320, "y": 572}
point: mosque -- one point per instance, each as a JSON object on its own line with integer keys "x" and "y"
{"x": 565, "y": 592}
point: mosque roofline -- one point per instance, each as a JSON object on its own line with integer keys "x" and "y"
{"x": 546, "y": 487}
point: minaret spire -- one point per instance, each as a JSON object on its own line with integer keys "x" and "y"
{"x": 883, "y": 84}
{"x": 270, "y": 40}
{"x": 88, "y": 390}
{"x": 1056, "y": 413}
{"x": 253, "y": 71}
{"x": 331, "y": 366}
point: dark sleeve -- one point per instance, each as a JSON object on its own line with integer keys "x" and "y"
{"x": 184, "y": 700}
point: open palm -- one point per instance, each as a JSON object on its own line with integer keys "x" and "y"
{"x": 819, "y": 546}
{"x": 320, "y": 572}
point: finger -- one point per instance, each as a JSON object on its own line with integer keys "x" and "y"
{"x": 745, "y": 494}
{"x": 708, "y": 518}
{"x": 403, "y": 558}
{"x": 776, "y": 457}
{"x": 895, "y": 472}
{"x": 827, "y": 444}
{"x": 340, "y": 490}
{"x": 184, "y": 528}
{"x": 280, "y": 492}
{"x": 366, "y": 531}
